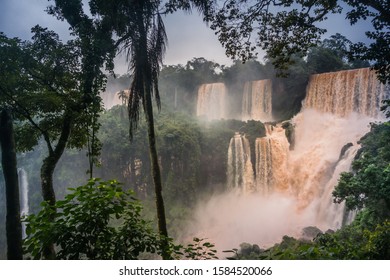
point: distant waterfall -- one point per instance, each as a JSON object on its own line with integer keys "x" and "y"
{"x": 344, "y": 92}
{"x": 23, "y": 185}
{"x": 211, "y": 101}
{"x": 257, "y": 101}
{"x": 240, "y": 170}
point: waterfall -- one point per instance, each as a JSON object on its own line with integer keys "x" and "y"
{"x": 271, "y": 160}
{"x": 240, "y": 170}
{"x": 338, "y": 109}
{"x": 257, "y": 101}
{"x": 344, "y": 92}
{"x": 264, "y": 180}
{"x": 293, "y": 188}
{"x": 211, "y": 101}
{"x": 23, "y": 185}
{"x": 329, "y": 213}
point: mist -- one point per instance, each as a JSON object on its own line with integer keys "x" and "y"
{"x": 293, "y": 184}
{"x": 234, "y": 217}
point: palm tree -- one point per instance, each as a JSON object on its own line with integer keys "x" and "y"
{"x": 141, "y": 33}
{"x": 145, "y": 49}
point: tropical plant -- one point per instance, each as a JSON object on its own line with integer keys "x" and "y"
{"x": 367, "y": 186}
{"x": 140, "y": 31}
{"x": 100, "y": 220}
{"x": 95, "y": 221}
{"x": 42, "y": 82}
{"x": 352, "y": 242}
{"x": 199, "y": 250}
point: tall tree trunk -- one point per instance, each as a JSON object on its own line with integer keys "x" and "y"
{"x": 13, "y": 223}
{"x": 144, "y": 69}
{"x": 47, "y": 171}
{"x": 156, "y": 174}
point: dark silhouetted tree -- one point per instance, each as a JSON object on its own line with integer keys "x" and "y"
{"x": 9, "y": 164}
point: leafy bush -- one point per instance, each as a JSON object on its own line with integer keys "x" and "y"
{"x": 352, "y": 242}
{"x": 95, "y": 221}
{"x": 368, "y": 185}
{"x": 200, "y": 250}
{"x": 101, "y": 221}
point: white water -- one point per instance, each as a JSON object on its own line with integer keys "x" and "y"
{"x": 23, "y": 186}
{"x": 211, "y": 101}
{"x": 272, "y": 153}
{"x": 331, "y": 214}
{"x": 295, "y": 187}
{"x": 257, "y": 101}
{"x": 314, "y": 165}
{"x": 344, "y": 92}
{"x": 240, "y": 170}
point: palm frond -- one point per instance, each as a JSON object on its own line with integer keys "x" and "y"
{"x": 145, "y": 44}
{"x": 158, "y": 43}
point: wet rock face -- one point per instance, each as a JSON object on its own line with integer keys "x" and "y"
{"x": 309, "y": 233}
{"x": 290, "y": 133}
{"x": 345, "y": 149}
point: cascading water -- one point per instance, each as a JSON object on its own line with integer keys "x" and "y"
{"x": 23, "y": 185}
{"x": 264, "y": 180}
{"x": 329, "y": 213}
{"x": 344, "y": 92}
{"x": 240, "y": 170}
{"x": 339, "y": 105}
{"x": 337, "y": 110}
{"x": 271, "y": 159}
{"x": 257, "y": 101}
{"x": 298, "y": 183}
{"x": 211, "y": 101}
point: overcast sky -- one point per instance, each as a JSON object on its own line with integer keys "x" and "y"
{"x": 188, "y": 36}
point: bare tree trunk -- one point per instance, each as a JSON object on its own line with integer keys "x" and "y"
{"x": 47, "y": 171}
{"x": 13, "y": 223}
{"x": 162, "y": 225}
{"x": 144, "y": 69}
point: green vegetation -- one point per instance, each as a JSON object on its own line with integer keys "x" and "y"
{"x": 288, "y": 28}
{"x": 353, "y": 242}
{"x": 101, "y": 221}
{"x": 95, "y": 221}
{"x": 193, "y": 156}
{"x": 368, "y": 185}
